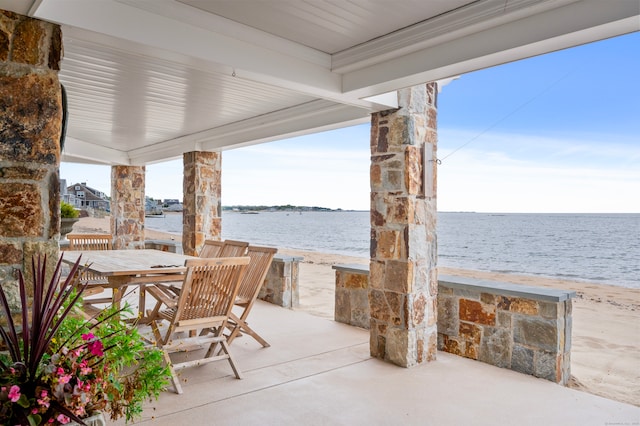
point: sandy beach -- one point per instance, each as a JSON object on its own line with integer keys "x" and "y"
{"x": 605, "y": 356}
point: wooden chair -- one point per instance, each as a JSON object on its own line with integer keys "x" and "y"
{"x": 95, "y": 283}
{"x": 234, "y": 248}
{"x": 227, "y": 248}
{"x": 208, "y": 291}
{"x": 211, "y": 248}
{"x": 89, "y": 241}
{"x": 261, "y": 258}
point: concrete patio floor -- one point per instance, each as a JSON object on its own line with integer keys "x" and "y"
{"x": 319, "y": 372}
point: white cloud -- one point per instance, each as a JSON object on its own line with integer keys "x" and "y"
{"x": 493, "y": 182}
{"x": 495, "y": 173}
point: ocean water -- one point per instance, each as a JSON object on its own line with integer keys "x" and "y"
{"x": 601, "y": 248}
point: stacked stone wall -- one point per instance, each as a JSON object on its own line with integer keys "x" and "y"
{"x": 522, "y": 328}
{"x": 527, "y": 331}
{"x": 30, "y": 128}
{"x": 281, "y": 283}
{"x": 352, "y": 295}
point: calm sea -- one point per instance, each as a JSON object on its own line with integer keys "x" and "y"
{"x": 601, "y": 248}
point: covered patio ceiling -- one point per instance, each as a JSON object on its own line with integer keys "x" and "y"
{"x": 148, "y": 80}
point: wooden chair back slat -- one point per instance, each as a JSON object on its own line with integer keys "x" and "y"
{"x": 233, "y": 248}
{"x": 210, "y": 287}
{"x": 211, "y": 248}
{"x": 89, "y": 241}
{"x": 261, "y": 258}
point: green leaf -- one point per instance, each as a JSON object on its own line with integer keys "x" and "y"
{"x": 23, "y": 401}
{"x": 34, "y": 419}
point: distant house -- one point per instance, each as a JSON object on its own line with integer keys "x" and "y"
{"x": 152, "y": 207}
{"x": 84, "y": 196}
{"x": 64, "y": 194}
{"x": 171, "y": 201}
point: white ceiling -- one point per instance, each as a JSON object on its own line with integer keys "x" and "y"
{"x": 148, "y": 80}
{"x": 328, "y": 26}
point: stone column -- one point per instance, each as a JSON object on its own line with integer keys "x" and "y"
{"x": 201, "y": 216}
{"x": 403, "y": 276}
{"x": 30, "y": 128}
{"x": 127, "y": 206}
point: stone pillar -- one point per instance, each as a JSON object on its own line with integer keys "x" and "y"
{"x": 127, "y": 206}
{"x": 202, "y": 208}
{"x": 30, "y": 128}
{"x": 403, "y": 276}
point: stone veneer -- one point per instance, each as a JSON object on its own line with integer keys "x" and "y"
{"x": 352, "y": 295}
{"x": 281, "y": 283}
{"x": 522, "y": 328}
{"x": 30, "y": 128}
{"x": 201, "y": 217}
{"x": 127, "y": 207}
{"x": 403, "y": 287}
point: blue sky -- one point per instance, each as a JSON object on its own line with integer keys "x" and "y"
{"x": 554, "y": 133}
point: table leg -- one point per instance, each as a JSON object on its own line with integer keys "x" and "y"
{"x": 141, "y": 303}
{"x": 118, "y": 287}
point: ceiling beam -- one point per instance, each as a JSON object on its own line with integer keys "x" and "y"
{"x": 572, "y": 24}
{"x": 76, "y": 150}
{"x": 303, "y": 119}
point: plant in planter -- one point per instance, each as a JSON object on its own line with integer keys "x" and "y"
{"x": 67, "y": 211}
{"x": 59, "y": 368}
{"x": 68, "y": 216}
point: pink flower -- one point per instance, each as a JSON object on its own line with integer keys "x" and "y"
{"x": 63, "y": 419}
{"x": 14, "y": 393}
{"x": 60, "y": 371}
{"x": 88, "y": 336}
{"x": 44, "y": 403}
{"x": 96, "y": 348}
{"x": 83, "y": 367}
{"x": 64, "y": 379}
{"x": 44, "y": 393}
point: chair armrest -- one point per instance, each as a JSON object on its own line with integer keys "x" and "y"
{"x": 162, "y": 294}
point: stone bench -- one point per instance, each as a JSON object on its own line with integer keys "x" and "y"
{"x": 164, "y": 245}
{"x": 522, "y": 328}
{"x": 281, "y": 284}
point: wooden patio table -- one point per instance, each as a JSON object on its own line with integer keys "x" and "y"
{"x": 124, "y": 268}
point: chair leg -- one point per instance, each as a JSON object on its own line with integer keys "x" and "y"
{"x": 152, "y": 314}
{"x": 216, "y": 331}
{"x": 174, "y": 376}
{"x": 234, "y": 326}
{"x": 232, "y": 361}
{"x": 248, "y": 330}
{"x": 240, "y": 325}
